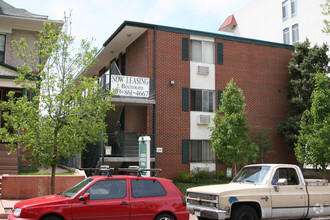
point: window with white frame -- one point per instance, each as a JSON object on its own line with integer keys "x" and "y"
{"x": 286, "y": 36}
{"x": 285, "y": 10}
{"x": 295, "y": 33}
{"x": 294, "y": 8}
{"x": 201, "y": 151}
{"x": 202, "y": 51}
{"x": 202, "y": 100}
{"x": 2, "y": 47}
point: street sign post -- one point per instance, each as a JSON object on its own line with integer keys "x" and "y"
{"x": 144, "y": 153}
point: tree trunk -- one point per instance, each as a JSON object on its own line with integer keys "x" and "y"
{"x": 52, "y": 180}
{"x": 235, "y": 169}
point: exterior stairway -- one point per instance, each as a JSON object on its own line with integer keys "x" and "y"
{"x": 131, "y": 144}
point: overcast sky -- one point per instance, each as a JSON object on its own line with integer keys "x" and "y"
{"x": 98, "y": 19}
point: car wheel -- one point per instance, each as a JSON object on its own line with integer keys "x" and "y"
{"x": 164, "y": 217}
{"x": 51, "y": 217}
{"x": 244, "y": 213}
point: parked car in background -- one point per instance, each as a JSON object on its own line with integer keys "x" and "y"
{"x": 108, "y": 197}
{"x": 262, "y": 191}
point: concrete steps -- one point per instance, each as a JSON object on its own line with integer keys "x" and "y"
{"x": 131, "y": 144}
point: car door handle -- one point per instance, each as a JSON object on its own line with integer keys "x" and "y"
{"x": 124, "y": 203}
{"x": 299, "y": 187}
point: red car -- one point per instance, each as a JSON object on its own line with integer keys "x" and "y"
{"x": 99, "y": 197}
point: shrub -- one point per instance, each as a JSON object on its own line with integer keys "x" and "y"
{"x": 184, "y": 177}
{"x": 202, "y": 177}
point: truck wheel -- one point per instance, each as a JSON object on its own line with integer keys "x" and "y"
{"x": 244, "y": 213}
{"x": 164, "y": 217}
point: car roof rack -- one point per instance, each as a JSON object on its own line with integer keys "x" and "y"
{"x": 139, "y": 171}
{"x": 108, "y": 170}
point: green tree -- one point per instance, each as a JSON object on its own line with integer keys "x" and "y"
{"x": 260, "y": 136}
{"x": 66, "y": 110}
{"x": 313, "y": 145}
{"x": 230, "y": 135}
{"x": 326, "y": 11}
{"x": 305, "y": 62}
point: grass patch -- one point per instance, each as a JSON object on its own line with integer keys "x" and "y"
{"x": 36, "y": 172}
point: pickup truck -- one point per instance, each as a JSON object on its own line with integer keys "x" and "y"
{"x": 262, "y": 191}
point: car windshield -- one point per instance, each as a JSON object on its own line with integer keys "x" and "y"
{"x": 75, "y": 189}
{"x": 253, "y": 174}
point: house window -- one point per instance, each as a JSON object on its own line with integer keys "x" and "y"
{"x": 201, "y": 151}
{"x": 294, "y": 8}
{"x": 2, "y": 47}
{"x": 286, "y": 36}
{"x": 202, "y": 100}
{"x": 285, "y": 10}
{"x": 295, "y": 33}
{"x": 202, "y": 51}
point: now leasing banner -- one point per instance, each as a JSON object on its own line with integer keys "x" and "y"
{"x": 130, "y": 86}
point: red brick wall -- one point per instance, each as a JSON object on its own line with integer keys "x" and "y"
{"x": 136, "y": 119}
{"x": 139, "y": 62}
{"x": 173, "y": 124}
{"x": 261, "y": 71}
{"x": 25, "y": 187}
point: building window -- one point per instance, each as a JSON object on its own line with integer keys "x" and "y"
{"x": 295, "y": 33}
{"x": 201, "y": 151}
{"x": 294, "y": 8}
{"x": 202, "y": 51}
{"x": 286, "y": 36}
{"x": 285, "y": 10}
{"x": 202, "y": 100}
{"x": 2, "y": 47}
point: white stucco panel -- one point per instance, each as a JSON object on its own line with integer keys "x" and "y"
{"x": 201, "y": 79}
{"x": 199, "y": 130}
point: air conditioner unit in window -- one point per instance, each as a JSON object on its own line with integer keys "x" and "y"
{"x": 203, "y": 70}
{"x": 207, "y": 169}
{"x": 204, "y": 119}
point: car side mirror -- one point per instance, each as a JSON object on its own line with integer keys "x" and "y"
{"x": 280, "y": 182}
{"x": 84, "y": 197}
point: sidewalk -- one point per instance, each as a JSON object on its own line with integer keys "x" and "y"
{"x": 6, "y": 207}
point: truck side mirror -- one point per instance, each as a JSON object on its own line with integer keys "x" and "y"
{"x": 280, "y": 182}
{"x": 84, "y": 197}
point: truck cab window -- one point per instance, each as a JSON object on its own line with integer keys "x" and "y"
{"x": 289, "y": 174}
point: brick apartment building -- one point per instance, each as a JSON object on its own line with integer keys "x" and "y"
{"x": 188, "y": 70}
